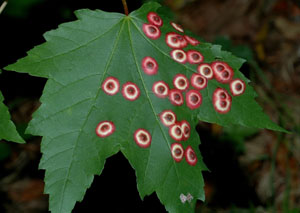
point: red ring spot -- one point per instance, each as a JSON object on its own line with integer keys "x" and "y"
{"x": 193, "y": 99}
{"x": 142, "y": 138}
{"x": 176, "y": 97}
{"x": 149, "y": 65}
{"x": 151, "y": 31}
{"x": 237, "y": 87}
{"x": 177, "y": 152}
{"x": 105, "y": 129}
{"x": 130, "y": 91}
{"x": 154, "y": 18}
{"x": 190, "y": 156}
{"x": 168, "y": 117}
{"x": 111, "y": 86}
{"x": 160, "y": 89}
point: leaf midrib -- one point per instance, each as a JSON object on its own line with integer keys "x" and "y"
{"x": 149, "y": 99}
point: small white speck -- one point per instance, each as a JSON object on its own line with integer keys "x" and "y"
{"x": 189, "y": 197}
{"x": 183, "y": 198}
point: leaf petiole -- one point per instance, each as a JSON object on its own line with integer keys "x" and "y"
{"x": 125, "y": 7}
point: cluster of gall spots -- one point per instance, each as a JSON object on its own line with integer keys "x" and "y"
{"x": 151, "y": 31}
{"x": 130, "y": 91}
{"x": 190, "y": 156}
{"x": 176, "y": 97}
{"x": 194, "y": 57}
{"x": 222, "y": 71}
{"x": 105, "y": 128}
{"x": 175, "y": 132}
{"x": 175, "y": 40}
{"x": 155, "y": 19}
{"x": 193, "y": 99}
{"x": 168, "y": 118}
{"x": 221, "y": 100}
{"x": 198, "y": 81}
{"x": 186, "y": 129}
{"x": 237, "y": 87}
{"x": 142, "y": 138}
{"x": 160, "y": 89}
{"x": 149, "y": 65}
{"x": 177, "y": 27}
{"x": 111, "y": 86}
{"x": 191, "y": 41}
{"x": 181, "y": 82}
{"x": 177, "y": 152}
{"x": 206, "y": 71}
{"x": 179, "y": 55}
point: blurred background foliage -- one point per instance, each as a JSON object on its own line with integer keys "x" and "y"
{"x": 251, "y": 170}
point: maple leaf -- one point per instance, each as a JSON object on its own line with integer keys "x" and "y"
{"x": 136, "y": 84}
{"x": 7, "y": 128}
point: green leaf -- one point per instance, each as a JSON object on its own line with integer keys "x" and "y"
{"x": 76, "y": 59}
{"x": 7, "y": 128}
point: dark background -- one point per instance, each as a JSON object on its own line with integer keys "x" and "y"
{"x": 251, "y": 170}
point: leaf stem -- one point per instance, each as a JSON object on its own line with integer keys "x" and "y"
{"x": 3, "y": 5}
{"x": 125, "y": 7}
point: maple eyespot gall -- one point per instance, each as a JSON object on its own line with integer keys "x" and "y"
{"x": 186, "y": 129}
{"x": 105, "y": 128}
{"x": 191, "y": 41}
{"x": 198, "y": 81}
{"x": 111, "y": 86}
{"x": 181, "y": 82}
{"x": 237, "y": 87}
{"x": 177, "y": 27}
{"x": 190, "y": 156}
{"x": 149, "y": 65}
{"x": 130, "y": 91}
{"x": 175, "y": 40}
{"x": 168, "y": 117}
{"x": 205, "y": 70}
{"x": 155, "y": 19}
{"x": 193, "y": 99}
{"x": 194, "y": 57}
{"x": 177, "y": 152}
{"x": 222, "y": 71}
{"x": 160, "y": 89}
{"x": 175, "y": 132}
{"x": 142, "y": 138}
{"x": 221, "y": 101}
{"x": 176, "y": 97}
{"x": 179, "y": 55}
{"x": 151, "y": 31}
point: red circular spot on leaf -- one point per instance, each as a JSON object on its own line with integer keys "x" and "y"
{"x": 177, "y": 152}
{"x": 130, "y": 91}
{"x": 160, "y": 89}
{"x": 179, "y": 55}
{"x": 154, "y": 19}
{"x": 105, "y": 129}
{"x": 151, "y": 31}
{"x": 198, "y": 81}
{"x": 193, "y": 99}
{"x": 190, "y": 156}
{"x": 181, "y": 82}
{"x": 111, "y": 86}
{"x": 205, "y": 70}
{"x": 194, "y": 57}
{"x": 237, "y": 87}
{"x": 149, "y": 65}
{"x": 142, "y": 138}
